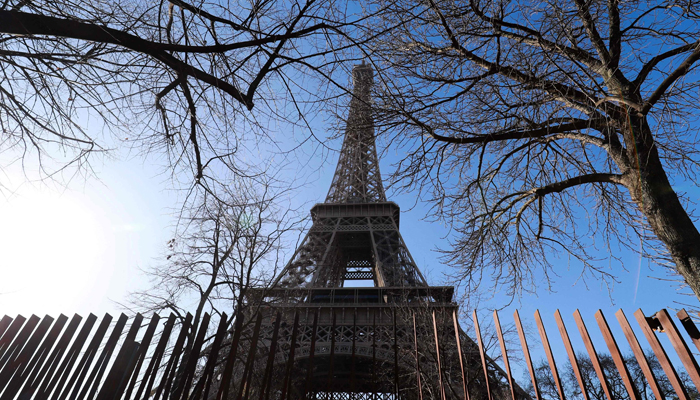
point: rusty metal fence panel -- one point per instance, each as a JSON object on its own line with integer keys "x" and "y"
{"x": 159, "y": 359}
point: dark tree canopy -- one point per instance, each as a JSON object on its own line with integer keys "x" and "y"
{"x": 539, "y": 127}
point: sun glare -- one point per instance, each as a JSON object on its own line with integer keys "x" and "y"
{"x": 52, "y": 245}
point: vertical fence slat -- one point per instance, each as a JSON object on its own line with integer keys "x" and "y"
{"x": 550, "y": 356}
{"x": 526, "y": 353}
{"x": 118, "y": 376}
{"x": 141, "y": 354}
{"x": 17, "y": 369}
{"x": 227, "y": 377}
{"x": 193, "y": 357}
{"x": 203, "y": 386}
{"x": 458, "y": 340}
{"x": 15, "y": 346}
{"x": 482, "y": 353}
{"x": 396, "y": 355}
{"x": 245, "y": 377}
{"x": 353, "y": 376}
{"x": 690, "y": 327}
{"x": 504, "y": 352}
{"x": 592, "y": 354}
{"x": 185, "y": 373}
{"x": 55, "y": 385}
{"x": 51, "y": 363}
{"x": 691, "y": 366}
{"x": 312, "y": 353}
{"x": 374, "y": 355}
{"x": 9, "y": 335}
{"x": 332, "y": 353}
{"x": 639, "y": 355}
{"x": 437, "y": 354}
{"x": 616, "y": 356}
{"x": 290, "y": 360}
{"x": 661, "y": 356}
{"x": 34, "y": 362}
{"x": 266, "y": 382}
{"x": 4, "y": 324}
{"x": 415, "y": 341}
{"x": 102, "y": 361}
{"x": 100, "y": 366}
{"x": 76, "y": 379}
{"x": 214, "y": 355}
{"x": 149, "y": 377}
{"x": 171, "y": 366}
{"x": 572, "y": 355}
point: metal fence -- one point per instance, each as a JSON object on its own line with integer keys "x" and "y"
{"x": 81, "y": 358}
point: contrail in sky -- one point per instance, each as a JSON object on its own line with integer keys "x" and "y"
{"x": 639, "y": 271}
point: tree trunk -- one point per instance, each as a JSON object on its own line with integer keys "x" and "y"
{"x": 656, "y": 199}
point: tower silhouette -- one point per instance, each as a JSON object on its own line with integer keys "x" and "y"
{"x": 313, "y": 335}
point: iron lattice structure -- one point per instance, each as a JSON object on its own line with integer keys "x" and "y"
{"x": 357, "y": 343}
{"x": 357, "y": 178}
{"x": 361, "y": 343}
{"x": 355, "y": 232}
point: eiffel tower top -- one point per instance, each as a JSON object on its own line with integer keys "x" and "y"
{"x": 357, "y": 178}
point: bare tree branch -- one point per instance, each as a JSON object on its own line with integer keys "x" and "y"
{"x": 521, "y": 125}
{"x": 678, "y": 73}
{"x": 20, "y": 23}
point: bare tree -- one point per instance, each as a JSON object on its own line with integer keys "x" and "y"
{"x": 545, "y": 126}
{"x": 197, "y": 82}
{"x": 222, "y": 246}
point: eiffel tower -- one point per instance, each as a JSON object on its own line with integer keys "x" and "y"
{"x": 355, "y": 233}
{"x": 316, "y": 334}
